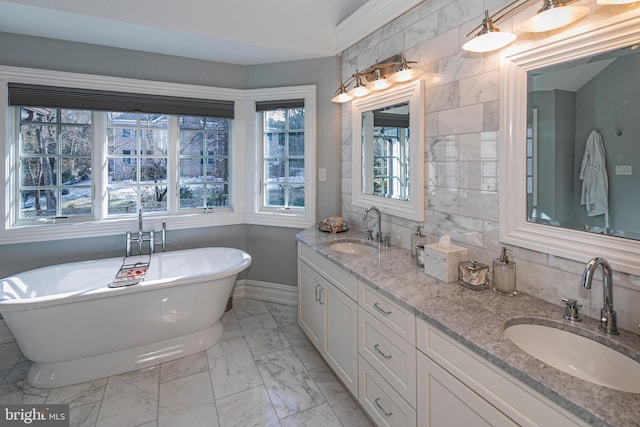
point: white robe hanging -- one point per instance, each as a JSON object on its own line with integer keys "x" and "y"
{"x": 593, "y": 173}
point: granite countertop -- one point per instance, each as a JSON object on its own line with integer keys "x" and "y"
{"x": 477, "y": 320}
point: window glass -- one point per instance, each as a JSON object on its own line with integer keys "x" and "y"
{"x": 283, "y": 158}
{"x": 55, "y": 158}
{"x": 137, "y": 158}
{"x": 204, "y": 162}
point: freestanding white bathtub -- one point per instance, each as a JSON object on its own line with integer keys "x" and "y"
{"x": 75, "y": 328}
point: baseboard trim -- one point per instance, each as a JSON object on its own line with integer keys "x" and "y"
{"x": 265, "y": 291}
{"x": 5, "y": 334}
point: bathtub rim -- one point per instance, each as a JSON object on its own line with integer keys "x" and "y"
{"x": 12, "y": 305}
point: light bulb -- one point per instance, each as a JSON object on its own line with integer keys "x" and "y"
{"x": 379, "y": 84}
{"x": 489, "y": 41}
{"x": 404, "y": 75}
{"x": 554, "y": 18}
{"x": 359, "y": 91}
{"x": 342, "y": 97}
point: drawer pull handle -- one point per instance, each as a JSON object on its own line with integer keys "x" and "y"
{"x": 386, "y": 356}
{"x": 381, "y": 310}
{"x": 322, "y": 295}
{"x": 317, "y": 292}
{"x": 386, "y": 414}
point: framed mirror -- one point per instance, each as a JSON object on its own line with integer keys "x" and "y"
{"x": 569, "y": 144}
{"x": 388, "y": 151}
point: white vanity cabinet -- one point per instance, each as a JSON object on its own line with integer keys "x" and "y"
{"x": 328, "y": 313}
{"x": 405, "y": 372}
{"x": 457, "y": 387}
{"x": 386, "y": 343}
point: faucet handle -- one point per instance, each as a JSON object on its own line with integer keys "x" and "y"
{"x": 571, "y": 310}
{"x": 369, "y": 234}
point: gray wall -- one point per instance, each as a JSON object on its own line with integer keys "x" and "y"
{"x": 325, "y": 73}
{"x": 37, "y": 52}
{"x": 608, "y": 102}
{"x": 273, "y": 248}
{"x": 556, "y": 136}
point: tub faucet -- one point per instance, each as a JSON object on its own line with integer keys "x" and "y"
{"x": 607, "y": 314}
{"x": 376, "y": 210}
{"x": 139, "y": 223}
{"x": 143, "y": 236}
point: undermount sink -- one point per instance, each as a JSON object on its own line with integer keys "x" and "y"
{"x": 359, "y": 247}
{"x": 577, "y": 356}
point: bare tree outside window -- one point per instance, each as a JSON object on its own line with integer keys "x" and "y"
{"x": 55, "y": 163}
{"x": 204, "y": 162}
{"x": 137, "y": 156}
{"x": 284, "y": 166}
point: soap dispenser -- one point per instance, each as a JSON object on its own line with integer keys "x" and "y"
{"x": 504, "y": 274}
{"x": 418, "y": 241}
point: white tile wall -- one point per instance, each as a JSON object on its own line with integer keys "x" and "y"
{"x": 461, "y": 143}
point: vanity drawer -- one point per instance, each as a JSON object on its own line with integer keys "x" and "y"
{"x": 337, "y": 276}
{"x": 383, "y": 404}
{"x": 393, "y": 357}
{"x": 388, "y": 312}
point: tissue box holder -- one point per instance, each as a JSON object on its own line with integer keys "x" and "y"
{"x": 442, "y": 263}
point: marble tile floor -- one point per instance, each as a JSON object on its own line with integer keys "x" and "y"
{"x": 263, "y": 372}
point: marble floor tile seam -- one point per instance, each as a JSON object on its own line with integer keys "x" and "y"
{"x": 282, "y": 322}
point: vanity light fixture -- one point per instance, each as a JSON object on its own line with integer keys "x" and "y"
{"x": 377, "y": 77}
{"x": 359, "y": 89}
{"x": 551, "y": 16}
{"x": 405, "y": 73}
{"x": 489, "y": 38}
{"x": 342, "y": 95}
{"x": 379, "y": 82}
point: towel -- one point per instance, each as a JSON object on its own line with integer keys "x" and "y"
{"x": 593, "y": 173}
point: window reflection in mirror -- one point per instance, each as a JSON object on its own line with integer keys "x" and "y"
{"x": 583, "y": 156}
{"x": 386, "y": 152}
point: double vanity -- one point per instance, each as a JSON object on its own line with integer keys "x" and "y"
{"x": 416, "y": 351}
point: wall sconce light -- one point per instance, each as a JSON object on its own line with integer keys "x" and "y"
{"x": 551, "y": 16}
{"x": 379, "y": 76}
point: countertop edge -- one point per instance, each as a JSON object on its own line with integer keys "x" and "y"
{"x": 522, "y": 376}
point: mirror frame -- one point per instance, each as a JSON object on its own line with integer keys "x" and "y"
{"x": 413, "y": 93}
{"x": 608, "y": 34}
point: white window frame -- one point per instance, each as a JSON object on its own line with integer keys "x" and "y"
{"x": 244, "y": 174}
{"x": 257, "y": 213}
{"x": 12, "y": 232}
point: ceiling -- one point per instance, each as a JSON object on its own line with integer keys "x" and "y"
{"x": 244, "y": 32}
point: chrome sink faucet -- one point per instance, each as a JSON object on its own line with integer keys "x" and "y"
{"x": 607, "y": 314}
{"x": 379, "y": 231}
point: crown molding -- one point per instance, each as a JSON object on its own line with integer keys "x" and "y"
{"x": 368, "y": 18}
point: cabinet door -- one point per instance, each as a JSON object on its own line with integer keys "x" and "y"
{"x": 445, "y": 401}
{"x": 310, "y": 284}
{"x": 341, "y": 335}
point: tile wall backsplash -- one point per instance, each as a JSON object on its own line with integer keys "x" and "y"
{"x": 462, "y": 127}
